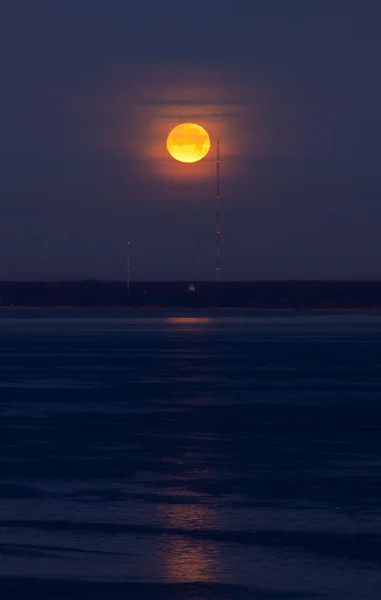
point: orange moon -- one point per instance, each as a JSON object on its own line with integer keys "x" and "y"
{"x": 188, "y": 143}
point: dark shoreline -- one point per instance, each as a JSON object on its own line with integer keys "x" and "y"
{"x": 302, "y": 296}
{"x": 187, "y": 309}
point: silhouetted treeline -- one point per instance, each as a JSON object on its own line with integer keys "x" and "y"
{"x": 271, "y": 295}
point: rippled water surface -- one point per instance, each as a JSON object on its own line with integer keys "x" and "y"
{"x": 222, "y": 457}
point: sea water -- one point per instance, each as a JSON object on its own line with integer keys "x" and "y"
{"x": 210, "y": 455}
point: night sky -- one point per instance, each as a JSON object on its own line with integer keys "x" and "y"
{"x": 90, "y": 89}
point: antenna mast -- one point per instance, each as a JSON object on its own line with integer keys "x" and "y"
{"x": 218, "y": 214}
{"x": 46, "y": 256}
{"x": 198, "y": 268}
{"x": 128, "y": 266}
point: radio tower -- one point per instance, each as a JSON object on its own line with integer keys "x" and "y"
{"x": 218, "y": 214}
{"x": 198, "y": 267}
{"x": 46, "y": 256}
{"x": 128, "y": 266}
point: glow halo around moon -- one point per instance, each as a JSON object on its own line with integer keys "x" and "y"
{"x": 188, "y": 143}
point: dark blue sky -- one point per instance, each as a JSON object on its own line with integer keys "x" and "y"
{"x": 90, "y": 89}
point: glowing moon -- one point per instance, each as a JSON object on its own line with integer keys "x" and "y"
{"x": 188, "y": 143}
